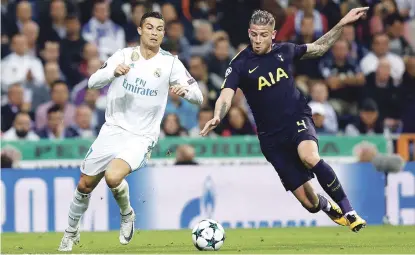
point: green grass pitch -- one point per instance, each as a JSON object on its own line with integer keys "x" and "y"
{"x": 327, "y": 240}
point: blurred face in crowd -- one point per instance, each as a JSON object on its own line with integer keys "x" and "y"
{"x": 93, "y": 65}
{"x": 169, "y": 12}
{"x": 383, "y": 71}
{"x": 307, "y": 27}
{"x": 222, "y": 50}
{"x": 31, "y": 31}
{"x": 54, "y": 120}
{"x": 319, "y": 92}
{"x": 73, "y": 26}
{"x": 340, "y": 50}
{"x": 197, "y": 68}
{"x": 318, "y": 119}
{"x": 348, "y": 33}
{"x": 380, "y": 45}
{"x": 151, "y": 32}
{"x": 309, "y": 4}
{"x": 175, "y": 31}
{"x": 90, "y": 51}
{"x": 51, "y": 52}
{"x": 396, "y": 29}
{"x": 83, "y": 117}
{"x": 22, "y": 124}
{"x": 261, "y": 37}
{"x": 91, "y": 97}
{"x": 204, "y": 117}
{"x": 204, "y": 32}
{"x": 138, "y": 12}
{"x": 171, "y": 124}
{"x": 51, "y": 72}
{"x": 369, "y": 117}
{"x": 236, "y": 117}
{"x": 60, "y": 94}
{"x": 15, "y": 95}
{"x": 101, "y": 12}
{"x": 19, "y": 44}
{"x": 24, "y": 11}
{"x": 58, "y": 10}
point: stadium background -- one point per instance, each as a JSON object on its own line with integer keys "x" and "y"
{"x": 362, "y": 94}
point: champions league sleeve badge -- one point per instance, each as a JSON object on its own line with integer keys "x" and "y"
{"x": 135, "y": 56}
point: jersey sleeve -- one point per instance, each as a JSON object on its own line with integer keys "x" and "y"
{"x": 232, "y": 76}
{"x": 179, "y": 74}
{"x": 105, "y": 74}
{"x": 297, "y": 50}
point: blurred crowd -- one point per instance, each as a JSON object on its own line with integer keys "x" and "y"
{"x": 364, "y": 85}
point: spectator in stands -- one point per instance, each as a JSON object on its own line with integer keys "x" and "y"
{"x": 89, "y": 52}
{"x": 175, "y": 33}
{"x": 55, "y": 127}
{"x": 397, "y": 42}
{"x": 23, "y": 15}
{"x": 79, "y": 90}
{"x": 71, "y": 49}
{"x": 50, "y": 52}
{"x": 131, "y": 35}
{"x": 407, "y": 97}
{"x": 10, "y": 157}
{"x": 185, "y": 155}
{"x": 202, "y": 45}
{"x": 368, "y": 122}
{"x": 41, "y": 94}
{"x": 330, "y": 10}
{"x": 238, "y": 123}
{"x": 380, "y": 88}
{"x": 169, "y": 12}
{"x": 15, "y": 104}
{"x": 356, "y": 50}
{"x": 59, "y": 95}
{"x": 319, "y": 94}
{"x": 54, "y": 29}
{"x": 343, "y": 78}
{"x": 101, "y": 30}
{"x": 19, "y": 66}
{"x": 319, "y": 114}
{"x": 31, "y": 31}
{"x": 83, "y": 127}
{"x": 186, "y": 112}
{"x": 98, "y": 115}
{"x": 6, "y": 161}
{"x": 170, "y": 126}
{"x": 21, "y": 129}
{"x": 204, "y": 115}
{"x": 380, "y": 49}
{"x": 219, "y": 60}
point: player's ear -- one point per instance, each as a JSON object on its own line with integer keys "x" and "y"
{"x": 139, "y": 30}
{"x": 274, "y": 33}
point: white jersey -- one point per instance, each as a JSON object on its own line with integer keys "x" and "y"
{"x": 137, "y": 100}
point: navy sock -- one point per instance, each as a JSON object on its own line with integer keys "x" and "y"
{"x": 331, "y": 185}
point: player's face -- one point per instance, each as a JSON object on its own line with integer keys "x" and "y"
{"x": 261, "y": 38}
{"x": 152, "y": 32}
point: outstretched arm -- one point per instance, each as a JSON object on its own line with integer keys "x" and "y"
{"x": 324, "y": 43}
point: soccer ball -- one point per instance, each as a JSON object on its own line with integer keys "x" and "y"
{"x": 208, "y": 235}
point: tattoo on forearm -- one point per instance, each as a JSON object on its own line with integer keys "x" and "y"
{"x": 222, "y": 109}
{"x": 324, "y": 43}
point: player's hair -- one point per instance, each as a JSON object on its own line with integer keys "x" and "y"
{"x": 54, "y": 108}
{"x": 146, "y": 15}
{"x": 263, "y": 18}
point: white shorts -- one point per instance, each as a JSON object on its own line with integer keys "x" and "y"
{"x": 115, "y": 142}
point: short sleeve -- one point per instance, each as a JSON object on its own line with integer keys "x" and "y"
{"x": 179, "y": 74}
{"x": 299, "y": 50}
{"x": 232, "y": 76}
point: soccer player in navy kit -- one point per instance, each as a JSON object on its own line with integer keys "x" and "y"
{"x": 263, "y": 71}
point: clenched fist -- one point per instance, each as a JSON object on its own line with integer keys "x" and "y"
{"x": 121, "y": 70}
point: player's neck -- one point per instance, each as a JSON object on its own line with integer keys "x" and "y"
{"x": 148, "y": 53}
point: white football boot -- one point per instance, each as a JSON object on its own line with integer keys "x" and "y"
{"x": 127, "y": 227}
{"x": 68, "y": 240}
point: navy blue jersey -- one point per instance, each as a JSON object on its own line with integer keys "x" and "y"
{"x": 268, "y": 84}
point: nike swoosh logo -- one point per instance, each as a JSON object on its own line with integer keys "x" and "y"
{"x": 251, "y": 71}
{"x": 128, "y": 238}
{"x": 329, "y": 185}
{"x": 301, "y": 130}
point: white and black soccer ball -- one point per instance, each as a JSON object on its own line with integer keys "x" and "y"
{"x": 208, "y": 235}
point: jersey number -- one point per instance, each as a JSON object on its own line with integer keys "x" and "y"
{"x": 302, "y": 125}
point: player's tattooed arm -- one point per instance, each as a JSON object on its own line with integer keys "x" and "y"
{"x": 224, "y": 102}
{"x": 324, "y": 43}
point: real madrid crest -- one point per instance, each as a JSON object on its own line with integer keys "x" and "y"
{"x": 135, "y": 56}
{"x": 157, "y": 72}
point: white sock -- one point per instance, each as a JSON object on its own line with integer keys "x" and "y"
{"x": 350, "y": 213}
{"x": 77, "y": 208}
{"x": 122, "y": 196}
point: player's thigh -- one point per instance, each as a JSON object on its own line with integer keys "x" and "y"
{"x": 306, "y": 195}
{"x": 306, "y": 142}
{"x": 88, "y": 183}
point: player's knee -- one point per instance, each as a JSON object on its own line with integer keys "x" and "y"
{"x": 85, "y": 186}
{"x": 113, "y": 179}
{"x": 310, "y": 160}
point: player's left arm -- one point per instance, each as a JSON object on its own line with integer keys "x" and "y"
{"x": 324, "y": 43}
{"x": 183, "y": 84}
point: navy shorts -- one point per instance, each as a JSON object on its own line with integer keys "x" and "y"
{"x": 280, "y": 150}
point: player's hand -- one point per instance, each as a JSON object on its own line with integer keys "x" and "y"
{"x": 211, "y": 124}
{"x": 180, "y": 90}
{"x": 121, "y": 70}
{"x": 353, "y": 15}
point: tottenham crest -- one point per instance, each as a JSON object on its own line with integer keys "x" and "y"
{"x": 135, "y": 56}
{"x": 228, "y": 71}
{"x": 157, "y": 73}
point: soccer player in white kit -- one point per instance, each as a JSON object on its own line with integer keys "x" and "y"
{"x": 140, "y": 79}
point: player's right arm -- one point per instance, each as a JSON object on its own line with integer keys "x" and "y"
{"x": 112, "y": 68}
{"x": 224, "y": 102}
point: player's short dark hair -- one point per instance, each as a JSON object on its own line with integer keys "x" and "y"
{"x": 54, "y": 108}
{"x": 56, "y": 83}
{"x": 146, "y": 15}
{"x": 261, "y": 17}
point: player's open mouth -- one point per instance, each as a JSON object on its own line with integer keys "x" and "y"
{"x": 153, "y": 40}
